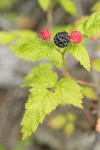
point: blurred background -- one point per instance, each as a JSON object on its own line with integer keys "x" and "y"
{"x": 66, "y": 128}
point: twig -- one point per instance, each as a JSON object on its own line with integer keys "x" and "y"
{"x": 49, "y": 16}
{"x": 81, "y": 82}
{"x": 88, "y": 115}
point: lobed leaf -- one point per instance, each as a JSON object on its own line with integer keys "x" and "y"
{"x": 69, "y": 92}
{"x": 40, "y": 103}
{"x": 80, "y": 53}
{"x": 41, "y": 76}
{"x": 91, "y": 25}
{"x": 38, "y": 49}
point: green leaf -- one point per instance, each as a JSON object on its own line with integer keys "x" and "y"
{"x": 96, "y": 6}
{"x": 40, "y": 103}
{"x": 96, "y": 65}
{"x": 44, "y": 4}
{"x": 91, "y": 25}
{"x": 68, "y": 6}
{"x": 69, "y": 92}
{"x": 56, "y": 58}
{"x": 41, "y": 76}
{"x": 43, "y": 101}
{"x": 89, "y": 93}
{"x": 80, "y": 53}
{"x": 38, "y": 49}
{"x": 34, "y": 50}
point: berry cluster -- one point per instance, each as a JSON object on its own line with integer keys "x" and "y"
{"x": 62, "y": 39}
{"x": 45, "y": 34}
{"x": 76, "y": 37}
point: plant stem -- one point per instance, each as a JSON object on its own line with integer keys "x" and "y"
{"x": 88, "y": 115}
{"x": 81, "y": 82}
{"x": 49, "y": 16}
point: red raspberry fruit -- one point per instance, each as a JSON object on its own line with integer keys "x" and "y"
{"x": 76, "y": 37}
{"x": 45, "y": 34}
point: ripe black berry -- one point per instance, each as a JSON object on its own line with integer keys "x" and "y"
{"x": 62, "y": 39}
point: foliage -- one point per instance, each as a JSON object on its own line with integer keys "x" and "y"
{"x": 16, "y": 36}
{"x": 96, "y": 65}
{"x": 43, "y": 100}
{"x": 63, "y": 121}
{"x": 5, "y": 4}
{"x": 44, "y": 4}
{"x": 47, "y": 90}
{"x": 79, "y": 52}
{"x": 91, "y": 25}
{"x": 89, "y": 93}
{"x": 96, "y": 6}
{"x": 67, "y": 5}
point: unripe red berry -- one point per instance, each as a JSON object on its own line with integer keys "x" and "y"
{"x": 45, "y": 34}
{"x": 76, "y": 37}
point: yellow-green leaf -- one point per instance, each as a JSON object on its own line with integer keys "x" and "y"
{"x": 41, "y": 76}
{"x": 80, "y": 53}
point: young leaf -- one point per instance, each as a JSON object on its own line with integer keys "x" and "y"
{"x": 41, "y": 76}
{"x": 96, "y": 65}
{"x": 40, "y": 103}
{"x": 34, "y": 50}
{"x": 68, "y": 5}
{"x": 91, "y": 25}
{"x": 44, "y": 4}
{"x": 69, "y": 92}
{"x": 38, "y": 49}
{"x": 80, "y": 53}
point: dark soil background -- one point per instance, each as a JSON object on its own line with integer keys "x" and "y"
{"x": 27, "y": 14}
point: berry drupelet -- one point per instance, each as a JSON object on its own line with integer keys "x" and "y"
{"x": 62, "y": 39}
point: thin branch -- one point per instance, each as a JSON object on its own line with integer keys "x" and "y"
{"x": 88, "y": 115}
{"x": 81, "y": 82}
{"x": 49, "y": 16}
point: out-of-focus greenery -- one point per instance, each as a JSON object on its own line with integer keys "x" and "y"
{"x": 96, "y": 65}
{"x": 89, "y": 93}
{"x": 2, "y": 147}
{"x": 67, "y": 5}
{"x": 96, "y": 6}
{"x": 16, "y": 36}
{"x": 5, "y": 4}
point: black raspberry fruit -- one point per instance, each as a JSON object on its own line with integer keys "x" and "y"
{"x": 62, "y": 39}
